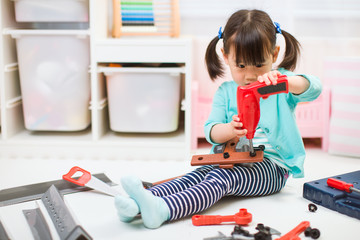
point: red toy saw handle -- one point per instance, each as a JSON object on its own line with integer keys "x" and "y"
{"x": 82, "y": 180}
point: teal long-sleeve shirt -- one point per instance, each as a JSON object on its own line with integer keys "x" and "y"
{"x": 277, "y": 119}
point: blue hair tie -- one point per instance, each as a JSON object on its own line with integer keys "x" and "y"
{"x": 277, "y": 27}
{"x": 220, "y": 34}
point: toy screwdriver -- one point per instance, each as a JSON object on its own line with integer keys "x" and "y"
{"x": 341, "y": 185}
{"x": 248, "y": 102}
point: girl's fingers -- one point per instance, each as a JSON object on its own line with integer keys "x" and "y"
{"x": 237, "y": 124}
{"x": 260, "y": 79}
{"x": 273, "y": 77}
{"x": 236, "y": 118}
{"x": 264, "y": 78}
{"x": 241, "y": 132}
{"x": 269, "y": 78}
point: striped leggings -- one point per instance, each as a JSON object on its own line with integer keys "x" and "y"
{"x": 203, "y": 187}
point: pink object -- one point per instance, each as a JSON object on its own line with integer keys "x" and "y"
{"x": 313, "y": 118}
{"x": 203, "y": 90}
{"x": 343, "y": 75}
{"x": 201, "y": 108}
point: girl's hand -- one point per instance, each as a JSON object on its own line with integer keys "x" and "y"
{"x": 297, "y": 84}
{"x": 223, "y": 132}
{"x": 236, "y": 127}
{"x": 270, "y": 77}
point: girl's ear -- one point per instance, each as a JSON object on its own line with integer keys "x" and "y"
{"x": 276, "y": 53}
{"x": 225, "y": 56}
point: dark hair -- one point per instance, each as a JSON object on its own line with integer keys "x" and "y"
{"x": 253, "y": 35}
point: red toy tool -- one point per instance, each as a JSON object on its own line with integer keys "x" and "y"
{"x": 243, "y": 217}
{"x": 303, "y": 227}
{"x": 248, "y": 98}
{"x": 341, "y": 185}
{"x": 294, "y": 234}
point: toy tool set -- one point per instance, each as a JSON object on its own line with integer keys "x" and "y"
{"x": 339, "y": 193}
{"x": 240, "y": 151}
{"x": 51, "y": 204}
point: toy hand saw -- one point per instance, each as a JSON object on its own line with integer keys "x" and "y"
{"x": 86, "y": 179}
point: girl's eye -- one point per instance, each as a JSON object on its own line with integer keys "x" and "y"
{"x": 241, "y": 66}
{"x": 259, "y": 65}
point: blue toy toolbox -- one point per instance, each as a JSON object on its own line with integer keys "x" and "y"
{"x": 341, "y": 201}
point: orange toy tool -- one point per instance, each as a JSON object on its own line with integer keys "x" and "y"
{"x": 294, "y": 234}
{"x": 243, "y": 217}
{"x": 303, "y": 227}
{"x": 248, "y": 102}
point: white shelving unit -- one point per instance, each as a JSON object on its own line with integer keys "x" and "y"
{"x": 97, "y": 141}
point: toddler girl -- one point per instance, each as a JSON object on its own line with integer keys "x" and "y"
{"x": 249, "y": 50}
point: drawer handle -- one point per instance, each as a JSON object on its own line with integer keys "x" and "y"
{"x": 11, "y": 67}
{"x": 14, "y": 102}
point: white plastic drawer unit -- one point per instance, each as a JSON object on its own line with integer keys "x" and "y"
{"x": 148, "y": 50}
{"x": 51, "y": 10}
{"x": 54, "y": 80}
{"x": 143, "y": 100}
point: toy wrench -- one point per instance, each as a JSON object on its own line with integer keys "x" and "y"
{"x": 89, "y": 181}
{"x": 243, "y": 217}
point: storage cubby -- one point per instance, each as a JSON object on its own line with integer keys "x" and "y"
{"x": 97, "y": 140}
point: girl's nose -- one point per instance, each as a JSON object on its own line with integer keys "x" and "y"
{"x": 250, "y": 76}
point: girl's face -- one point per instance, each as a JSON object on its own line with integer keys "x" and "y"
{"x": 245, "y": 74}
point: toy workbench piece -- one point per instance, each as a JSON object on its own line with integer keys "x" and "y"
{"x": 235, "y": 151}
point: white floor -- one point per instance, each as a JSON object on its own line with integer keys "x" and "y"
{"x": 96, "y": 212}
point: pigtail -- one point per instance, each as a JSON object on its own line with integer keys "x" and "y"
{"x": 212, "y": 60}
{"x": 292, "y": 51}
